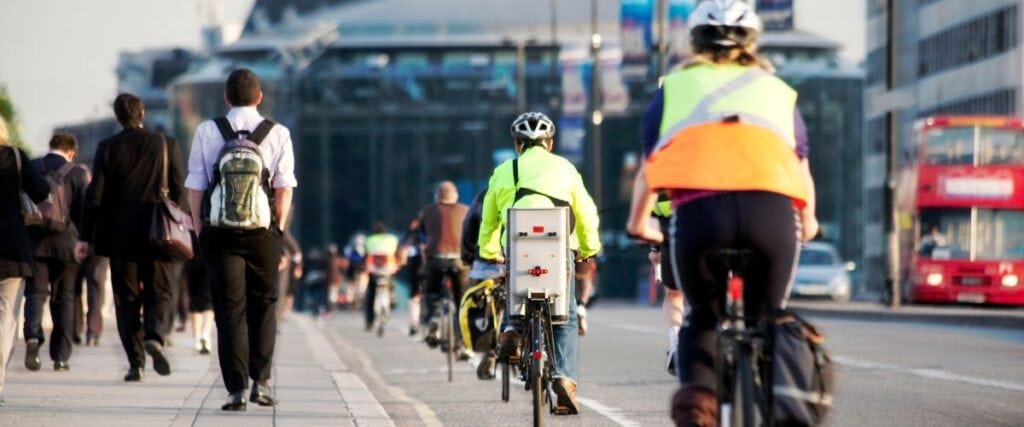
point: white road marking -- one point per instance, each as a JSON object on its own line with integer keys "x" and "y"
{"x": 608, "y": 412}
{"x": 935, "y": 374}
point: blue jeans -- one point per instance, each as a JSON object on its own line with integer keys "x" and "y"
{"x": 567, "y": 340}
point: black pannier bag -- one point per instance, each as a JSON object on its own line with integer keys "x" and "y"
{"x": 803, "y": 379}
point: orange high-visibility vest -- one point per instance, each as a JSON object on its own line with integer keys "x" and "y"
{"x": 727, "y": 128}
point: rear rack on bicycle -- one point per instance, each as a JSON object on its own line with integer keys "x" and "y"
{"x": 540, "y": 265}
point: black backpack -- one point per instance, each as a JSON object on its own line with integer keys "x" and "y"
{"x": 803, "y": 378}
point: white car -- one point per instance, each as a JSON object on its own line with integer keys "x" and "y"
{"x": 820, "y": 273}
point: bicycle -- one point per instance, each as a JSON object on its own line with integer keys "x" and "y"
{"x": 444, "y": 311}
{"x": 381, "y": 301}
{"x": 535, "y": 362}
{"x": 744, "y": 362}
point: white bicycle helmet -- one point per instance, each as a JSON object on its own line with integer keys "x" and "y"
{"x": 725, "y": 23}
{"x": 533, "y": 126}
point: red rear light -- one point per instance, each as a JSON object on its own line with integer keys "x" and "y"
{"x": 537, "y": 271}
{"x": 736, "y": 287}
{"x": 538, "y": 229}
{"x": 537, "y": 355}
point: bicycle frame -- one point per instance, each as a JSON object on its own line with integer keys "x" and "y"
{"x": 743, "y": 400}
{"x": 536, "y": 363}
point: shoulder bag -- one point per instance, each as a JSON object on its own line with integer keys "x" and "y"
{"x": 171, "y": 228}
{"x": 30, "y": 213}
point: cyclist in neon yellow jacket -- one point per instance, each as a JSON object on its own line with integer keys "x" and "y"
{"x": 539, "y": 178}
{"x": 381, "y": 263}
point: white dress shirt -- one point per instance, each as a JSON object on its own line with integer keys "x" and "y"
{"x": 276, "y": 150}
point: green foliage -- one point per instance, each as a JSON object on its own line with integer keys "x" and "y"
{"x": 11, "y": 117}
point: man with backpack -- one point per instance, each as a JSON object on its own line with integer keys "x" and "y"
{"x": 56, "y": 266}
{"x": 241, "y": 177}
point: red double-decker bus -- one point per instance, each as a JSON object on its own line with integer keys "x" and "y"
{"x": 968, "y": 211}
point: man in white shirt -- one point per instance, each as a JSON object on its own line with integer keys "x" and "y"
{"x": 242, "y": 255}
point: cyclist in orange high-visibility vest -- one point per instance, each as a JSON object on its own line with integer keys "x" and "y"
{"x": 731, "y": 151}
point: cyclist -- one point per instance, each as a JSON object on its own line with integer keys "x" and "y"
{"x": 544, "y": 180}
{"x": 411, "y": 254}
{"x": 442, "y": 225}
{"x": 731, "y": 149}
{"x": 381, "y": 262}
{"x": 672, "y": 305}
{"x": 479, "y": 272}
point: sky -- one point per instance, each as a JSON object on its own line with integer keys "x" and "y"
{"x": 58, "y": 57}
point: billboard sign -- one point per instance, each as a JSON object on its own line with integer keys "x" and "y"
{"x": 637, "y": 37}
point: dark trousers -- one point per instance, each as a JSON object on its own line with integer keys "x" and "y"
{"x": 764, "y": 223}
{"x": 438, "y": 269}
{"x": 243, "y": 283}
{"x": 54, "y": 279}
{"x": 91, "y": 278}
{"x": 144, "y": 301}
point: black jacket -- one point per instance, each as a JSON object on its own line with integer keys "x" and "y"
{"x": 62, "y": 246}
{"x": 15, "y": 244}
{"x": 124, "y": 190}
{"x": 471, "y": 229}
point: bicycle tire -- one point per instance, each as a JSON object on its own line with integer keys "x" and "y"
{"x": 744, "y": 410}
{"x": 382, "y": 302}
{"x": 506, "y": 380}
{"x": 537, "y": 339}
{"x": 450, "y": 331}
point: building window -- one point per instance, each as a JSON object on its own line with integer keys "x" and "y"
{"x": 876, "y": 7}
{"x": 998, "y": 103}
{"x": 972, "y": 41}
{"x": 877, "y": 133}
{"x": 877, "y": 65}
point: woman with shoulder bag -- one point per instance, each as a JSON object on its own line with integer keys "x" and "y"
{"x": 20, "y": 186}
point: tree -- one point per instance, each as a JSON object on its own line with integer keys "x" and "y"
{"x": 11, "y": 117}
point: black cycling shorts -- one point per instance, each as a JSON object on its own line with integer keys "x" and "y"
{"x": 764, "y": 223}
{"x": 668, "y": 279}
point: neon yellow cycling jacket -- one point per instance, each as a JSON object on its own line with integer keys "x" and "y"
{"x": 544, "y": 172}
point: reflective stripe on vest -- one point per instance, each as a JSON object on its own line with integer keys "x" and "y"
{"x": 727, "y": 128}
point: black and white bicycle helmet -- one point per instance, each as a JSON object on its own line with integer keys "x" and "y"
{"x": 725, "y": 23}
{"x": 533, "y": 126}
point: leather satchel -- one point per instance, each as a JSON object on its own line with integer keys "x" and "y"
{"x": 30, "y": 213}
{"x": 171, "y": 229}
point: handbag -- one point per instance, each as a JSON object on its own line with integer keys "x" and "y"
{"x": 30, "y": 213}
{"x": 171, "y": 228}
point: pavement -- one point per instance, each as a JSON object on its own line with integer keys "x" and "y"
{"x": 313, "y": 386}
{"x": 952, "y": 315}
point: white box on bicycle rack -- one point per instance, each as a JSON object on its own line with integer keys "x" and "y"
{"x": 539, "y": 262}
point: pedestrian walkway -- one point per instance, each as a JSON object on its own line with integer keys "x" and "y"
{"x": 310, "y": 381}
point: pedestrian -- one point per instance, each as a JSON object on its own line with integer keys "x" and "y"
{"x": 289, "y": 275}
{"x": 119, "y": 204}
{"x": 17, "y": 175}
{"x": 200, "y": 304}
{"x": 55, "y": 263}
{"x": 90, "y": 281}
{"x": 240, "y": 231}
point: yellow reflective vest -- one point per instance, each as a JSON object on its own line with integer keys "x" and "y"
{"x": 547, "y": 173}
{"x": 727, "y": 128}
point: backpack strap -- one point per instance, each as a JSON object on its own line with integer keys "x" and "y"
{"x": 63, "y": 171}
{"x": 224, "y": 126}
{"x": 515, "y": 173}
{"x": 262, "y": 130}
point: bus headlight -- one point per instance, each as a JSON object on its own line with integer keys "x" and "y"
{"x": 1010, "y": 280}
{"x": 934, "y": 279}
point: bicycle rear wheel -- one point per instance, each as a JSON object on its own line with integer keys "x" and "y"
{"x": 506, "y": 374}
{"x": 450, "y": 331}
{"x": 744, "y": 410}
{"x": 382, "y": 302}
{"x": 537, "y": 370}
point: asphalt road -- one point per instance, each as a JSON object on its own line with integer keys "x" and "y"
{"x": 889, "y": 373}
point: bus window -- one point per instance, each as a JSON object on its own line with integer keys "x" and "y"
{"x": 949, "y": 146}
{"x": 1000, "y": 146}
{"x": 947, "y": 234}
{"x": 1000, "y": 234}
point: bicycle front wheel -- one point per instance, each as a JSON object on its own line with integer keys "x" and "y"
{"x": 537, "y": 370}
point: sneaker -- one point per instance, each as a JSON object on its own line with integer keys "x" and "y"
{"x": 565, "y": 396}
{"x": 485, "y": 370}
{"x": 433, "y": 337}
{"x": 695, "y": 406}
{"x": 508, "y": 345}
{"x": 581, "y": 316}
{"x": 32, "y": 361}
{"x": 465, "y": 355}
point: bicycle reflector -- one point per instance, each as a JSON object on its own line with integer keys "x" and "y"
{"x": 537, "y": 355}
{"x": 537, "y": 271}
{"x": 736, "y": 288}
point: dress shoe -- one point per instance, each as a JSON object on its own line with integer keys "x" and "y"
{"x": 77, "y": 340}
{"x": 261, "y": 394}
{"x": 32, "y": 361}
{"x": 236, "y": 402}
{"x": 565, "y": 396}
{"x": 60, "y": 365}
{"x": 134, "y": 375}
{"x": 204, "y": 347}
{"x": 160, "y": 363}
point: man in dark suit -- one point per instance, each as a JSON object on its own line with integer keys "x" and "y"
{"x": 116, "y": 223}
{"x": 56, "y": 266}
